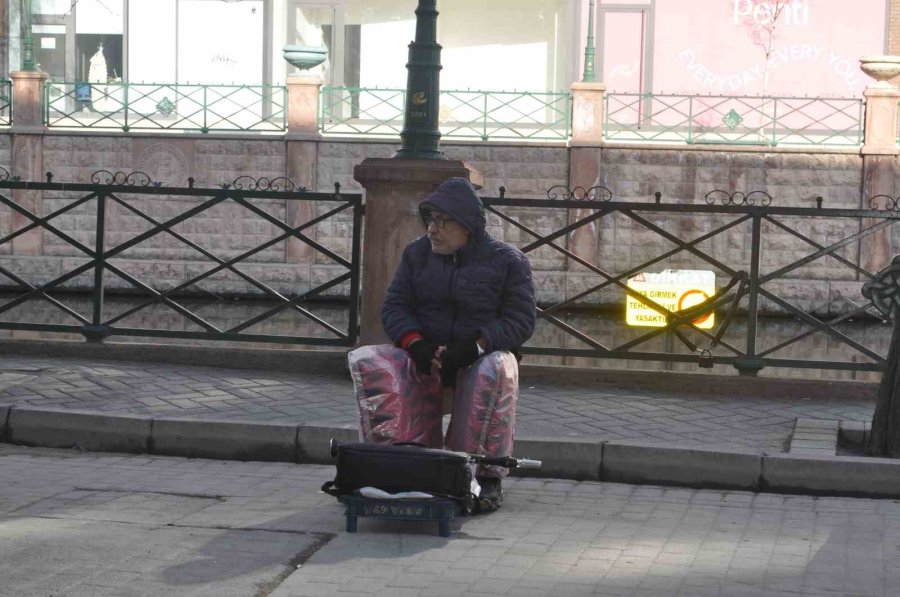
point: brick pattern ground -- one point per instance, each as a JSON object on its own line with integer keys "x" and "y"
{"x": 545, "y": 409}
{"x": 551, "y": 537}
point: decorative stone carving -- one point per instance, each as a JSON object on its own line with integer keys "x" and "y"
{"x": 165, "y": 163}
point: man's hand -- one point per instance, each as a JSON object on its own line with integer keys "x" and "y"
{"x": 460, "y": 354}
{"x": 423, "y": 355}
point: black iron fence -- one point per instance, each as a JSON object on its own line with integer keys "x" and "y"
{"x": 178, "y": 250}
{"x": 182, "y": 253}
{"x": 769, "y": 262}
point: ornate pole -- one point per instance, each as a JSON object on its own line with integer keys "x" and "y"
{"x": 420, "y": 134}
{"x": 27, "y": 40}
{"x": 589, "y": 76}
{"x": 884, "y": 292}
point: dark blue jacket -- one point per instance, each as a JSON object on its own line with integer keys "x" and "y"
{"x": 483, "y": 290}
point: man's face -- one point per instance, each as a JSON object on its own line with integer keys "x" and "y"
{"x": 447, "y": 236}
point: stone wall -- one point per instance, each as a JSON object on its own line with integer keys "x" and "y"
{"x": 525, "y": 170}
{"x": 686, "y": 177}
{"x": 5, "y": 146}
{"x": 616, "y": 244}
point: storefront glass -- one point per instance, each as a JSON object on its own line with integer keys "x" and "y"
{"x": 505, "y": 45}
{"x": 152, "y": 41}
{"x": 99, "y": 26}
{"x": 223, "y": 44}
{"x": 376, "y": 38}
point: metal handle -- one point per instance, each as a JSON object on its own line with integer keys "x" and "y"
{"x": 528, "y": 463}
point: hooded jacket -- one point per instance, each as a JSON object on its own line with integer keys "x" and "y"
{"x": 483, "y": 290}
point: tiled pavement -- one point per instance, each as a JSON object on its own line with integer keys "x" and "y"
{"x": 546, "y": 408}
{"x": 167, "y": 526}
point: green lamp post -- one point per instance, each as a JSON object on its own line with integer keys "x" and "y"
{"x": 27, "y": 40}
{"x": 420, "y": 134}
{"x": 588, "y": 76}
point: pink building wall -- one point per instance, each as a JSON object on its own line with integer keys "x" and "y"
{"x": 719, "y": 47}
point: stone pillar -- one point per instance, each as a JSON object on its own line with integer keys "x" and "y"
{"x": 301, "y": 158}
{"x": 27, "y": 158}
{"x": 879, "y": 162}
{"x": 301, "y": 151}
{"x": 303, "y": 107}
{"x": 881, "y": 119}
{"x": 587, "y": 113}
{"x": 28, "y": 89}
{"x": 878, "y": 179}
{"x": 394, "y": 189}
{"x": 584, "y": 159}
{"x": 584, "y": 172}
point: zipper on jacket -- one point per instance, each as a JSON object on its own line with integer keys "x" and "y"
{"x": 453, "y": 296}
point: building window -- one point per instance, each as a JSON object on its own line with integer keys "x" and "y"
{"x": 506, "y": 44}
{"x": 99, "y": 26}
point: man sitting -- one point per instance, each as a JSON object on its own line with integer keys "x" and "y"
{"x": 460, "y": 303}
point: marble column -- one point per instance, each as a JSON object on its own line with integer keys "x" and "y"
{"x": 394, "y": 188}
{"x": 26, "y": 159}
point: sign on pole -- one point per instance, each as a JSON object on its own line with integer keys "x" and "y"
{"x": 674, "y": 289}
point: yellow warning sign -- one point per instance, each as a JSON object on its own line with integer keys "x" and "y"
{"x": 674, "y": 289}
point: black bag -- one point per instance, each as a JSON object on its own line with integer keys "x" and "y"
{"x": 400, "y": 467}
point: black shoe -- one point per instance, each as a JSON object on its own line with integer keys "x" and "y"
{"x": 491, "y": 495}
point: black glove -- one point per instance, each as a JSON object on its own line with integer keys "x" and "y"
{"x": 422, "y": 353}
{"x": 460, "y": 354}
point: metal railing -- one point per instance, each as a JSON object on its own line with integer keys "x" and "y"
{"x": 176, "y": 107}
{"x": 734, "y": 120}
{"x": 6, "y": 102}
{"x": 746, "y": 284}
{"x": 94, "y": 236}
{"x": 519, "y": 115}
{"x": 99, "y": 236}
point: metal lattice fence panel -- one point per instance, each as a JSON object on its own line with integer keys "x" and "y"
{"x": 6, "y": 102}
{"x": 787, "y": 280}
{"x": 734, "y": 120}
{"x": 173, "y": 262}
{"x": 182, "y": 107}
{"x": 463, "y": 114}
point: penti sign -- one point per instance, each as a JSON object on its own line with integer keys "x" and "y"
{"x": 674, "y": 289}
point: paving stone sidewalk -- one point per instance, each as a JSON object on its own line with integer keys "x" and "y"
{"x": 180, "y": 527}
{"x": 546, "y": 409}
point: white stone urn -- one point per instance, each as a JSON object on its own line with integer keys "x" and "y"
{"x": 880, "y": 68}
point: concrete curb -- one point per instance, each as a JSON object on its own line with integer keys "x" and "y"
{"x": 225, "y": 440}
{"x": 4, "y": 422}
{"x": 327, "y": 362}
{"x": 832, "y": 475}
{"x": 561, "y": 457}
{"x": 702, "y": 383}
{"x": 631, "y": 462}
{"x": 626, "y": 462}
{"x": 313, "y": 442}
{"x": 53, "y": 428}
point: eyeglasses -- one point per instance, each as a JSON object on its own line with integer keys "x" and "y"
{"x": 438, "y": 221}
